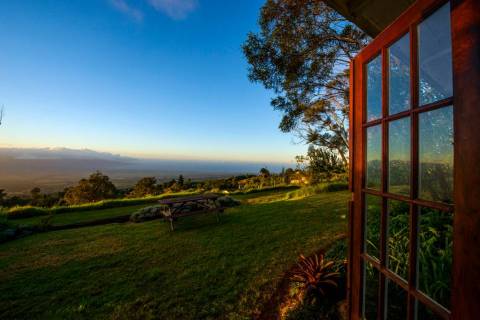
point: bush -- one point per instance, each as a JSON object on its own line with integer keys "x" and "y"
{"x": 228, "y": 202}
{"x": 279, "y": 188}
{"x": 26, "y": 212}
{"x": 317, "y": 189}
{"x": 148, "y": 213}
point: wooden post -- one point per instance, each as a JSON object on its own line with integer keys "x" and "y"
{"x": 465, "y": 15}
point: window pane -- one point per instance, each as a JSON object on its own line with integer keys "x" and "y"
{"x": 398, "y": 237}
{"x": 399, "y": 75}
{"x": 373, "y": 211}
{"x": 423, "y": 313}
{"x": 435, "y": 57}
{"x": 436, "y": 155}
{"x": 370, "y": 292}
{"x": 435, "y": 254}
{"x": 396, "y": 302}
{"x": 374, "y": 89}
{"x": 374, "y": 157}
{"x": 399, "y": 156}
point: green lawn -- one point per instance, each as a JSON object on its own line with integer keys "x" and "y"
{"x": 203, "y": 270}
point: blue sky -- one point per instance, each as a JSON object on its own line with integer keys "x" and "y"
{"x": 149, "y": 78}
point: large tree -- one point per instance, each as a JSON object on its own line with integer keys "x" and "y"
{"x": 302, "y": 52}
{"x": 145, "y": 187}
{"x": 97, "y": 187}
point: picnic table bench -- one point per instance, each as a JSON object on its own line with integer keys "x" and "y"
{"x": 187, "y": 206}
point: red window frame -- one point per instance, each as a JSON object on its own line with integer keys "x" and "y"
{"x": 465, "y": 24}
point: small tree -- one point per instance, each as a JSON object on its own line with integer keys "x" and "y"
{"x": 3, "y": 197}
{"x": 181, "y": 181}
{"x": 321, "y": 164}
{"x": 97, "y": 187}
{"x": 264, "y": 172}
{"x": 36, "y": 195}
{"x": 145, "y": 186}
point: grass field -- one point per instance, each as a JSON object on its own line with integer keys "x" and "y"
{"x": 203, "y": 270}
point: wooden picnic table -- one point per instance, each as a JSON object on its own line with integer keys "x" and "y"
{"x": 188, "y": 206}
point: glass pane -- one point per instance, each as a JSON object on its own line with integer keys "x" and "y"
{"x": 370, "y": 292}
{"x": 399, "y": 156}
{"x": 423, "y": 313}
{"x": 373, "y": 211}
{"x": 374, "y": 89}
{"x": 399, "y": 75}
{"x": 396, "y": 305}
{"x": 398, "y": 237}
{"x": 435, "y": 56}
{"x": 374, "y": 157}
{"x": 435, "y": 254}
{"x": 436, "y": 155}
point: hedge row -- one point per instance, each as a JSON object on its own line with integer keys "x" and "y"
{"x": 31, "y": 211}
{"x": 317, "y": 189}
{"x": 278, "y": 188}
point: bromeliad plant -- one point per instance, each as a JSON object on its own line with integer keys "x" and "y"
{"x": 315, "y": 276}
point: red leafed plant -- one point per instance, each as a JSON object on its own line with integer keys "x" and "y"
{"x": 315, "y": 276}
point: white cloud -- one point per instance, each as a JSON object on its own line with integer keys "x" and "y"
{"x": 175, "y": 9}
{"x": 124, "y": 7}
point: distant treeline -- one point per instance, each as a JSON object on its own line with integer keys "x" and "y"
{"x": 319, "y": 165}
{"x": 99, "y": 187}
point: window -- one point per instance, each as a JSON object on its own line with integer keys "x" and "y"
{"x": 407, "y": 173}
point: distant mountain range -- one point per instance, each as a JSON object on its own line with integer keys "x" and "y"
{"x": 53, "y": 169}
{"x": 59, "y": 153}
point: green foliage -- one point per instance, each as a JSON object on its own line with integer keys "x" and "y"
{"x": 181, "y": 180}
{"x": 29, "y": 211}
{"x": 321, "y": 164}
{"x": 302, "y": 53}
{"x": 263, "y": 190}
{"x": 314, "y": 275}
{"x": 301, "y": 193}
{"x": 435, "y": 254}
{"x": 228, "y": 202}
{"x": 317, "y": 189}
{"x": 148, "y": 213}
{"x": 3, "y": 195}
{"x": 434, "y": 247}
{"x": 437, "y": 182}
{"x": 264, "y": 172}
{"x": 25, "y": 212}
{"x": 326, "y": 307}
{"x": 97, "y": 187}
{"x": 145, "y": 187}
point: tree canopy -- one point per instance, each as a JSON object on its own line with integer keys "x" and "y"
{"x": 302, "y": 52}
{"x": 146, "y": 186}
{"x": 97, "y": 187}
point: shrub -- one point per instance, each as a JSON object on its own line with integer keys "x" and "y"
{"x": 148, "y": 213}
{"x": 317, "y": 189}
{"x": 315, "y": 275}
{"x": 335, "y": 186}
{"x": 279, "y": 188}
{"x": 26, "y": 212}
{"x": 228, "y": 202}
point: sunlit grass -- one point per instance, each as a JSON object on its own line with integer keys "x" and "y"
{"x": 202, "y": 270}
